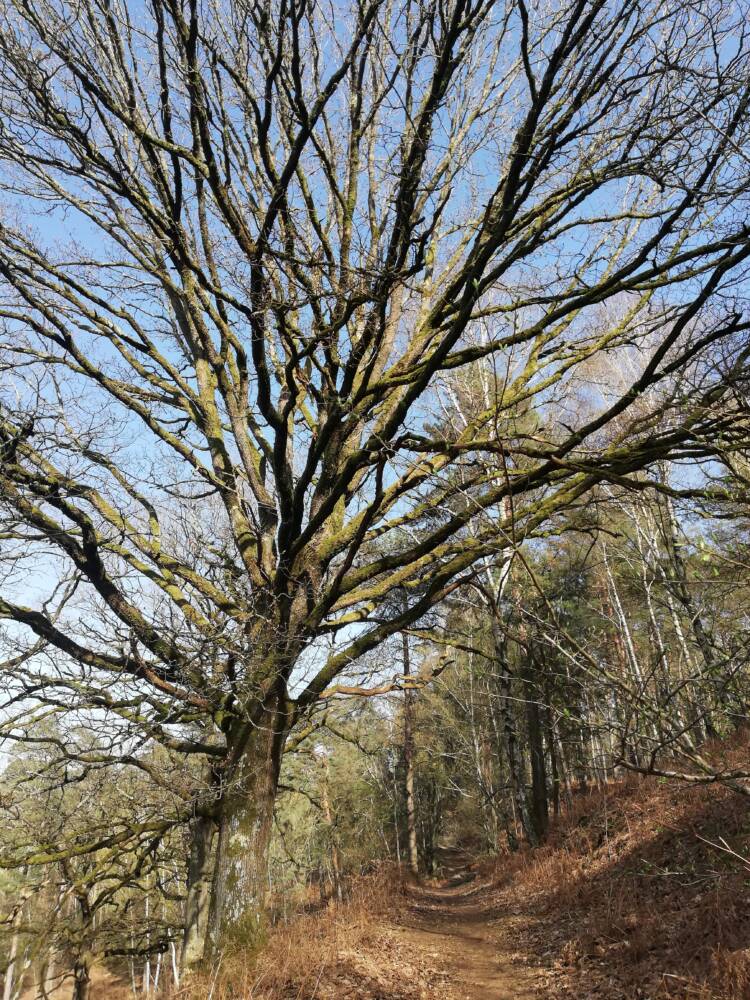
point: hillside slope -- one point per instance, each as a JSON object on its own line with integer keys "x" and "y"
{"x": 636, "y": 895}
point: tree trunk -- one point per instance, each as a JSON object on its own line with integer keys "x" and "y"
{"x": 333, "y": 843}
{"x": 500, "y": 802}
{"x": 564, "y": 768}
{"x": 237, "y": 909}
{"x": 540, "y": 807}
{"x": 202, "y": 830}
{"x": 681, "y": 589}
{"x": 510, "y": 738}
{"x": 549, "y": 728}
{"x": 411, "y": 816}
{"x": 83, "y": 956}
{"x": 81, "y": 979}
{"x": 555, "y": 773}
{"x": 46, "y": 977}
{"x": 9, "y": 988}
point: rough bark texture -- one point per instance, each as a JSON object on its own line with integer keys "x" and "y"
{"x": 202, "y": 832}
{"x": 236, "y": 915}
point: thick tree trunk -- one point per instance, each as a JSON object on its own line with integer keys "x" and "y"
{"x": 237, "y": 909}
{"x": 202, "y": 831}
{"x": 83, "y": 956}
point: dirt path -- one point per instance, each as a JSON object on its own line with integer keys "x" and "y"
{"x": 456, "y": 922}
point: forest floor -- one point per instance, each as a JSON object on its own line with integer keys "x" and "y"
{"x": 457, "y": 922}
{"x": 447, "y": 938}
{"x": 639, "y": 893}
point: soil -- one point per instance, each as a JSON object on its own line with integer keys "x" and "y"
{"x": 455, "y": 921}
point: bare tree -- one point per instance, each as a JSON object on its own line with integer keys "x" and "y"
{"x": 239, "y": 243}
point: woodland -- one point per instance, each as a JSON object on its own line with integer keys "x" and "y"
{"x": 374, "y": 495}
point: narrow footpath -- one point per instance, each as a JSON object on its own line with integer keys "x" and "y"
{"x": 456, "y": 922}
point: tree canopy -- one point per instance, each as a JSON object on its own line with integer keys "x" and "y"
{"x": 248, "y": 251}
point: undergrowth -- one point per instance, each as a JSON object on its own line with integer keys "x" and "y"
{"x": 642, "y": 890}
{"x": 639, "y": 893}
{"x": 313, "y": 953}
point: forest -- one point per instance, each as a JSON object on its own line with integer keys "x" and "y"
{"x": 374, "y": 499}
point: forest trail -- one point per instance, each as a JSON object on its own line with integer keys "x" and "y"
{"x": 457, "y": 921}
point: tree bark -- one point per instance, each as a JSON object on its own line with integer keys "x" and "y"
{"x": 681, "y": 588}
{"x": 540, "y": 807}
{"x": 9, "y": 988}
{"x": 549, "y": 728}
{"x": 202, "y": 832}
{"x": 250, "y": 783}
{"x": 46, "y": 985}
{"x": 510, "y": 737}
{"x": 333, "y": 843}
{"x": 411, "y": 813}
{"x": 505, "y": 815}
{"x": 82, "y": 979}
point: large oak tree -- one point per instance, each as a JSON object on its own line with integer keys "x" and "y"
{"x": 240, "y": 245}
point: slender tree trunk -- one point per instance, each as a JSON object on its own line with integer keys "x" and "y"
{"x": 510, "y": 737}
{"x": 157, "y": 973}
{"x": 632, "y": 657}
{"x": 681, "y": 588}
{"x": 702, "y": 722}
{"x": 555, "y": 773}
{"x": 82, "y": 978}
{"x": 146, "y": 978}
{"x": 564, "y": 767}
{"x": 540, "y": 807}
{"x": 505, "y": 815}
{"x": 651, "y": 558}
{"x": 237, "y": 909}
{"x": 581, "y": 762}
{"x": 46, "y": 977}
{"x": 411, "y": 814}
{"x": 11, "y": 970}
{"x": 202, "y": 832}
{"x": 331, "y": 827}
{"x": 131, "y": 965}
{"x": 175, "y": 965}
{"x": 549, "y": 731}
{"x": 395, "y": 818}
